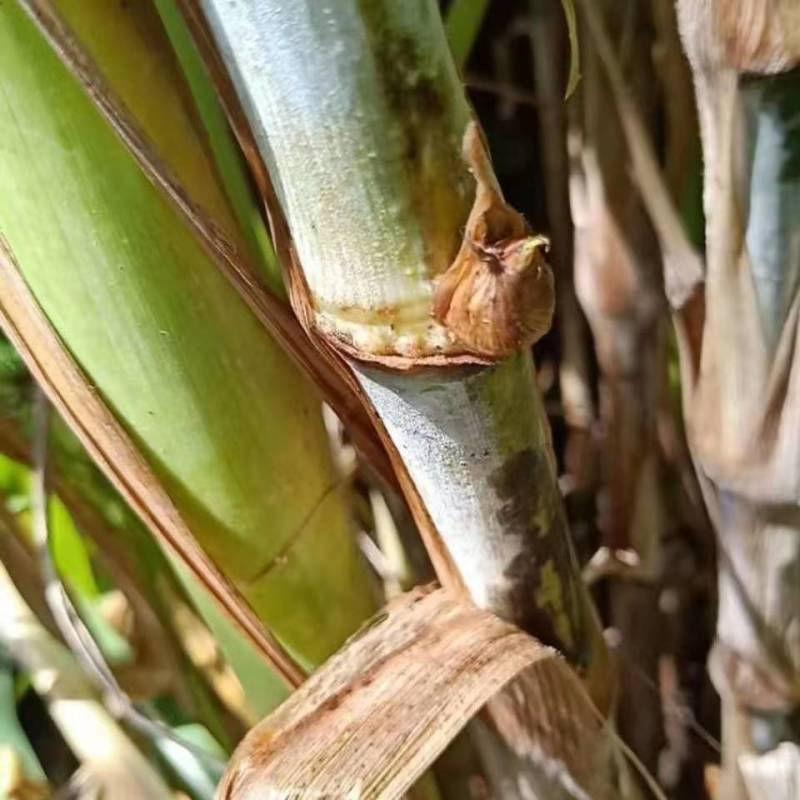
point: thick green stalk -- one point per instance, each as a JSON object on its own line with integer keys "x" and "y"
{"x": 367, "y": 150}
{"x": 618, "y": 280}
{"x": 360, "y": 116}
{"x": 227, "y": 423}
{"x": 367, "y": 156}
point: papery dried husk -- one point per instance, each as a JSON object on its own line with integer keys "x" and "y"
{"x": 753, "y": 36}
{"x": 379, "y": 712}
{"x": 760, "y": 36}
{"x": 498, "y": 295}
{"x": 497, "y": 299}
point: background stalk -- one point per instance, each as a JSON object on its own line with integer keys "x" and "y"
{"x": 111, "y": 761}
{"x": 549, "y": 45}
{"x": 742, "y": 411}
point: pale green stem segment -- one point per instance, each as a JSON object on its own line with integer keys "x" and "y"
{"x": 478, "y": 445}
{"x": 771, "y": 108}
{"x": 229, "y": 426}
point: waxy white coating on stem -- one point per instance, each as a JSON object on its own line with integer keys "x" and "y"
{"x": 360, "y": 104}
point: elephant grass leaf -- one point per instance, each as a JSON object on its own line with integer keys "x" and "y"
{"x": 52, "y": 366}
{"x": 209, "y": 405}
{"x": 228, "y": 157}
{"x": 189, "y": 184}
{"x": 462, "y": 25}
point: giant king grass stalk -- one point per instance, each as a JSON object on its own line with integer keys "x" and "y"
{"x": 386, "y": 186}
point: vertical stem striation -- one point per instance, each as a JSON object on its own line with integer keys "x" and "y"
{"x": 360, "y": 104}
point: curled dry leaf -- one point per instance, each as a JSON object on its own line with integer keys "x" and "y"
{"x": 379, "y": 712}
{"x": 498, "y": 295}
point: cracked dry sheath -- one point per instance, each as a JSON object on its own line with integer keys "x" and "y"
{"x": 742, "y": 411}
{"x": 360, "y": 115}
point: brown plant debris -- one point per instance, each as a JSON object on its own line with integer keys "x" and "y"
{"x": 760, "y": 35}
{"x": 498, "y": 294}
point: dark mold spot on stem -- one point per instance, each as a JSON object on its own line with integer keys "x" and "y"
{"x": 525, "y": 485}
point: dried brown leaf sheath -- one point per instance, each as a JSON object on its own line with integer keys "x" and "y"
{"x": 760, "y": 35}
{"x": 498, "y": 295}
{"x": 370, "y": 721}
